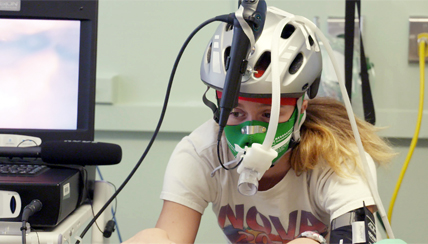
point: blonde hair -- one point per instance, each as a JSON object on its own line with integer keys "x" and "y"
{"x": 327, "y": 135}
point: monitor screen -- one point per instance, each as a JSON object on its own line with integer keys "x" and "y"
{"x": 47, "y": 68}
{"x": 39, "y": 74}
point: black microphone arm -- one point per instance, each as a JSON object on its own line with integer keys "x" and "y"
{"x": 254, "y": 14}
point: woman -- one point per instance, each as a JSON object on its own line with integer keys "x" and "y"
{"x": 314, "y": 188}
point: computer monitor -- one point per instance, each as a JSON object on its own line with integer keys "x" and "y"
{"x": 47, "y": 68}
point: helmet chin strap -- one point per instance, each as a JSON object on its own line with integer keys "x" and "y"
{"x": 300, "y": 121}
{"x": 294, "y": 138}
{"x": 211, "y": 105}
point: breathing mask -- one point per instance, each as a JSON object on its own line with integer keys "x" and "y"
{"x": 249, "y": 132}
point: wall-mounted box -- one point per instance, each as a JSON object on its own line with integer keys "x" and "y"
{"x": 417, "y": 25}
{"x": 106, "y": 89}
{"x": 336, "y": 27}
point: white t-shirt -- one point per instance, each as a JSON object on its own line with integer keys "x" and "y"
{"x": 296, "y": 204}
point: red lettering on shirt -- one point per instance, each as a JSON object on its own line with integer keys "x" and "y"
{"x": 260, "y": 229}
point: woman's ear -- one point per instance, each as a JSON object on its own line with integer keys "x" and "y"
{"x": 304, "y": 106}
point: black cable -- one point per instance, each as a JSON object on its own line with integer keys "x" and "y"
{"x": 224, "y": 18}
{"x": 32, "y": 208}
{"x": 218, "y": 156}
{"x": 24, "y": 232}
{"x": 19, "y": 144}
{"x": 38, "y": 238}
{"x": 221, "y": 163}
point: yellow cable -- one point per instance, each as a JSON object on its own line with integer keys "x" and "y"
{"x": 423, "y": 41}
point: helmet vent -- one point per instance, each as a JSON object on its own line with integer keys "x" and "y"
{"x": 296, "y": 64}
{"x": 311, "y": 41}
{"x": 262, "y": 64}
{"x": 209, "y": 53}
{"x": 287, "y": 31}
{"x": 226, "y": 55}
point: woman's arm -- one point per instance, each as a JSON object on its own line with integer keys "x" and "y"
{"x": 180, "y": 222}
{"x": 176, "y": 224}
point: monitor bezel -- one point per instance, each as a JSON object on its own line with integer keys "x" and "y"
{"x": 87, "y": 13}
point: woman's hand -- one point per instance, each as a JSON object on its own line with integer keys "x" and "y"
{"x": 153, "y": 235}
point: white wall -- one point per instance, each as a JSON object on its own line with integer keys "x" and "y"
{"x": 138, "y": 41}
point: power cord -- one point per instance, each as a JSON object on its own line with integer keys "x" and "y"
{"x": 32, "y": 208}
{"x": 423, "y": 53}
{"x": 111, "y": 224}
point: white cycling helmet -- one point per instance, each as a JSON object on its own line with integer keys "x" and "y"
{"x": 300, "y": 59}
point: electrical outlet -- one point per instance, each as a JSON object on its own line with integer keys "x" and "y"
{"x": 417, "y": 25}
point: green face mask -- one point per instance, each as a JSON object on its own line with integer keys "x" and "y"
{"x": 254, "y": 131}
